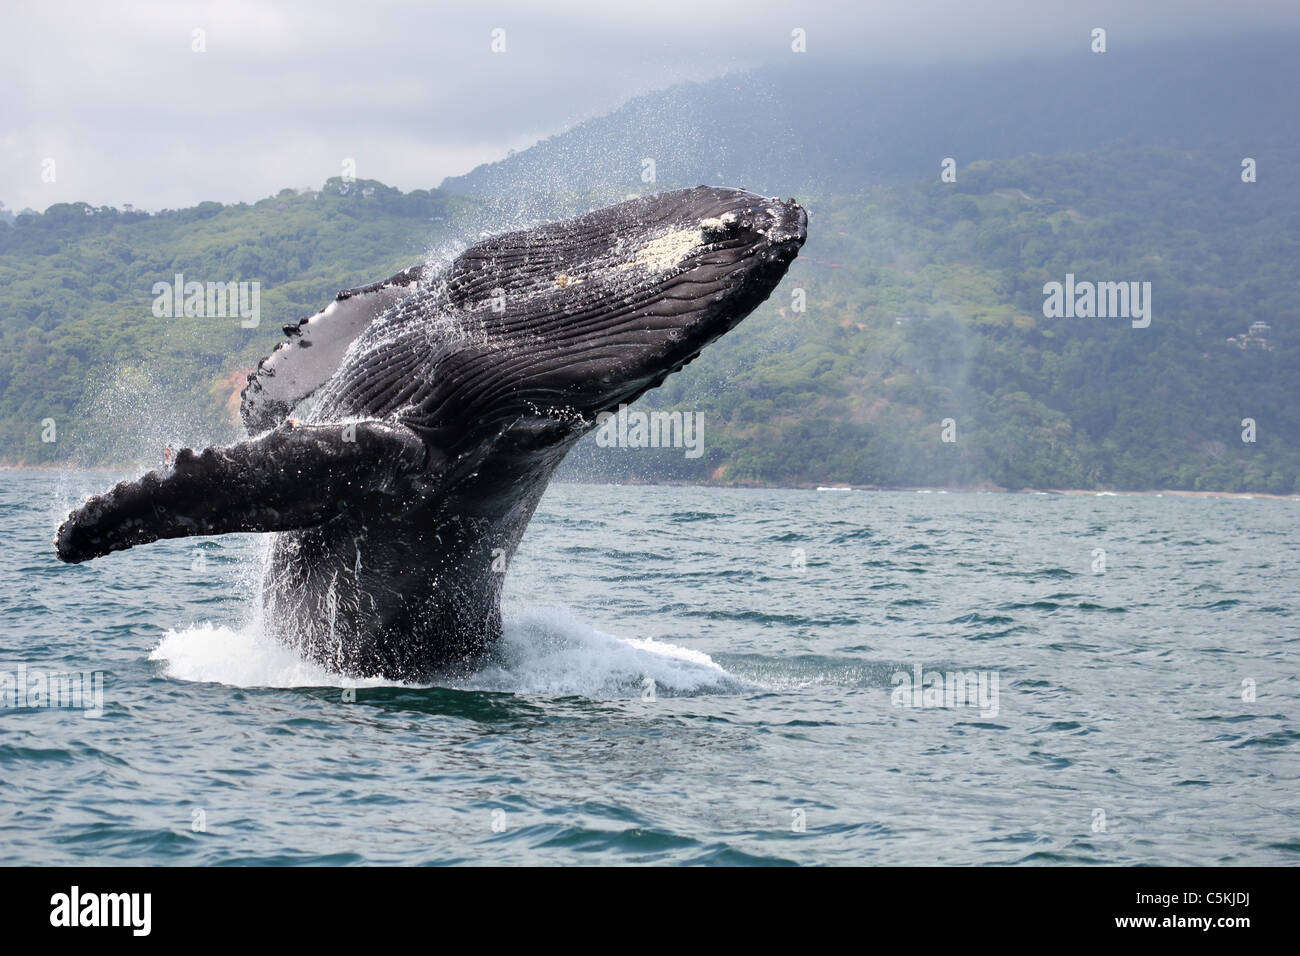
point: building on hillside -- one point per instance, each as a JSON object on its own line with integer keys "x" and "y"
{"x": 1256, "y": 338}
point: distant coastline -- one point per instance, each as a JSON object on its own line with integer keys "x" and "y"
{"x": 766, "y": 486}
{"x": 762, "y": 486}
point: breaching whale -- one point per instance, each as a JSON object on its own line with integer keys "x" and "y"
{"x": 438, "y": 404}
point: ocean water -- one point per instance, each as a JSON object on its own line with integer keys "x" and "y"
{"x": 691, "y": 675}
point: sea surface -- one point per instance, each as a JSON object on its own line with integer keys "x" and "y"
{"x": 689, "y": 676}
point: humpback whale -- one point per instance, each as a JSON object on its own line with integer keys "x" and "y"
{"x": 435, "y": 406}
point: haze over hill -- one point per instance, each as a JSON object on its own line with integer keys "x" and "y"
{"x": 813, "y": 128}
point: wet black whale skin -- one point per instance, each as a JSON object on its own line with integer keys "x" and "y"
{"x": 397, "y": 507}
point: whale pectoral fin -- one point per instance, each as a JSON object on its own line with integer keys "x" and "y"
{"x": 295, "y": 476}
{"x": 313, "y": 348}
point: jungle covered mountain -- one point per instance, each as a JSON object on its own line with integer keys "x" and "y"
{"x": 908, "y": 345}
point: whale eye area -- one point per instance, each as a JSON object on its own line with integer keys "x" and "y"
{"x": 720, "y": 228}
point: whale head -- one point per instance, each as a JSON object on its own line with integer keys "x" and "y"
{"x": 545, "y": 329}
{"x": 693, "y": 266}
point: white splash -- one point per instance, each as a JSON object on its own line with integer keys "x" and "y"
{"x": 243, "y": 657}
{"x": 543, "y": 651}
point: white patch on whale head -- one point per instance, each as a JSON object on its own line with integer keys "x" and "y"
{"x": 667, "y": 250}
{"x": 717, "y": 222}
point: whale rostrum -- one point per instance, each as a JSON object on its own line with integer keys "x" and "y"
{"x": 441, "y": 401}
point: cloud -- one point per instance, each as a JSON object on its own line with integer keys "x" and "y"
{"x": 116, "y": 96}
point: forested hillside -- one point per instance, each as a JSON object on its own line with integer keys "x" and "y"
{"x": 915, "y": 313}
{"x": 922, "y": 302}
{"x": 82, "y": 344}
{"x": 925, "y": 303}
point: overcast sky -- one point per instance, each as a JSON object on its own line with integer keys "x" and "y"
{"x": 115, "y": 95}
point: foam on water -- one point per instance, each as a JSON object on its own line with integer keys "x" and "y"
{"x": 240, "y": 657}
{"x": 543, "y": 651}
